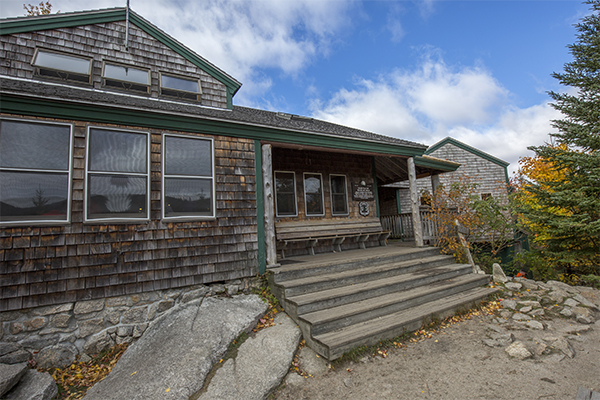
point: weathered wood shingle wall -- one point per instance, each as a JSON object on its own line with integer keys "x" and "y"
{"x": 42, "y": 265}
{"x": 106, "y": 42}
{"x": 355, "y": 167}
{"x": 490, "y": 177}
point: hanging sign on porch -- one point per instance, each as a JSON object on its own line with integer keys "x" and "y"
{"x": 363, "y": 208}
{"x": 362, "y": 191}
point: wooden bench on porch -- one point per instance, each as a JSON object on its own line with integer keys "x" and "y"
{"x": 313, "y": 231}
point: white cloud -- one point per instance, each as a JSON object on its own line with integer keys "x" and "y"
{"x": 434, "y": 101}
{"x": 509, "y": 138}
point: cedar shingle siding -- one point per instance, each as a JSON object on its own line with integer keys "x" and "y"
{"x": 58, "y": 264}
{"x": 105, "y": 42}
{"x": 46, "y": 264}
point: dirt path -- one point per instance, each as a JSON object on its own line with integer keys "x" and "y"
{"x": 455, "y": 363}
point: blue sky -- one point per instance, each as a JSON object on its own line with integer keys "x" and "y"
{"x": 420, "y": 70}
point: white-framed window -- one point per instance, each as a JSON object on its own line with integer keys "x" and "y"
{"x": 180, "y": 87}
{"x": 54, "y": 64}
{"x": 35, "y": 172}
{"x": 188, "y": 177}
{"x": 117, "y": 178}
{"x": 313, "y": 194}
{"x": 339, "y": 194}
{"x": 285, "y": 194}
{"x": 126, "y": 77}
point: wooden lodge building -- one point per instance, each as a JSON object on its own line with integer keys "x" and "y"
{"x": 130, "y": 182}
{"x": 126, "y": 168}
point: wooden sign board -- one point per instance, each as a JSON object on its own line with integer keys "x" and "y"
{"x": 362, "y": 192}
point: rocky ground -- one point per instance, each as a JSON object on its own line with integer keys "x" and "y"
{"x": 540, "y": 341}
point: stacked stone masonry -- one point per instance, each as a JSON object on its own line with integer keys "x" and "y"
{"x": 53, "y": 336}
{"x": 47, "y": 265}
{"x": 106, "y": 42}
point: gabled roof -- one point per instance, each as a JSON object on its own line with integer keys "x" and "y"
{"x": 55, "y": 21}
{"x": 468, "y": 148}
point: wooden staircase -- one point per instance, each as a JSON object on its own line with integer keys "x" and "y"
{"x": 345, "y": 300}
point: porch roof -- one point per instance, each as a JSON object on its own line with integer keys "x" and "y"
{"x": 393, "y": 170}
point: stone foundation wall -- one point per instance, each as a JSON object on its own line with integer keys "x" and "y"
{"x": 55, "y": 335}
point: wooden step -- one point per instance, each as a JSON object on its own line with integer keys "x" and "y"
{"x": 333, "y": 345}
{"x": 310, "y": 302}
{"x": 301, "y": 267}
{"x": 332, "y": 280}
{"x": 330, "y": 319}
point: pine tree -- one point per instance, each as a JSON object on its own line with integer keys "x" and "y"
{"x": 567, "y": 210}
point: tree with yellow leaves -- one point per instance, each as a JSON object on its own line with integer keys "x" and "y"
{"x": 558, "y": 200}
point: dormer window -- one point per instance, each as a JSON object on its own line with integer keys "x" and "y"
{"x": 182, "y": 88}
{"x": 62, "y": 66}
{"x": 125, "y": 77}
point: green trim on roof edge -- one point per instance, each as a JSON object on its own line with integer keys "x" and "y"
{"x": 54, "y": 21}
{"x": 468, "y": 148}
{"x": 435, "y": 164}
{"x": 36, "y": 107}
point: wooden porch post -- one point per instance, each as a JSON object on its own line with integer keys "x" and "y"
{"x": 267, "y": 172}
{"x": 414, "y": 202}
{"x": 435, "y": 183}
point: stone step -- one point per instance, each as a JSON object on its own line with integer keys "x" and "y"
{"x": 333, "y": 345}
{"x": 332, "y": 280}
{"x": 330, "y": 319}
{"x": 310, "y": 302}
{"x": 301, "y": 267}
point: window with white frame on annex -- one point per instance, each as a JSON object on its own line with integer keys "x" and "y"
{"x": 313, "y": 194}
{"x": 117, "y": 181}
{"x": 285, "y": 194}
{"x": 180, "y": 87}
{"x": 188, "y": 177}
{"x": 35, "y": 171}
{"x": 125, "y": 77}
{"x": 339, "y": 194}
{"x": 53, "y": 64}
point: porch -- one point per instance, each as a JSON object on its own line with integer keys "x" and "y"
{"x": 359, "y": 297}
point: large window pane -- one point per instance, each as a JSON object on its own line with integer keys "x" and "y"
{"x": 188, "y": 177}
{"x": 62, "y": 62}
{"x": 33, "y": 196}
{"x": 128, "y": 74}
{"x": 34, "y": 171}
{"x": 285, "y": 194}
{"x": 117, "y": 181}
{"x": 34, "y": 146}
{"x": 191, "y": 157}
{"x": 114, "y": 151}
{"x": 339, "y": 198}
{"x": 191, "y": 197}
{"x": 117, "y": 196}
{"x": 313, "y": 194}
{"x": 176, "y": 83}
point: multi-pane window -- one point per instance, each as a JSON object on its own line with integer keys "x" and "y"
{"x": 117, "y": 175}
{"x": 313, "y": 194}
{"x": 182, "y": 88}
{"x": 126, "y": 77}
{"x": 62, "y": 66}
{"x": 34, "y": 171}
{"x": 339, "y": 196}
{"x": 188, "y": 187}
{"x": 285, "y": 194}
